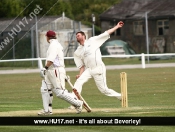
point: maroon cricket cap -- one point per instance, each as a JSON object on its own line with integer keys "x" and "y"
{"x": 50, "y": 34}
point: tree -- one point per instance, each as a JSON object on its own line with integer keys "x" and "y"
{"x": 78, "y": 10}
{"x": 11, "y": 8}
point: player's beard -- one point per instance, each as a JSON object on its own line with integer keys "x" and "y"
{"x": 79, "y": 40}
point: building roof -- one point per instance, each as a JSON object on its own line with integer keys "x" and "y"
{"x": 62, "y": 23}
{"x": 135, "y": 9}
{"x": 44, "y": 23}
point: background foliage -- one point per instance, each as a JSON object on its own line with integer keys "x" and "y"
{"x": 77, "y": 10}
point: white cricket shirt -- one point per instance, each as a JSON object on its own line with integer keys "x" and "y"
{"x": 55, "y": 53}
{"x": 90, "y": 54}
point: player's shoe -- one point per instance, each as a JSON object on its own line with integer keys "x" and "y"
{"x": 79, "y": 109}
{"x": 119, "y": 97}
{"x": 71, "y": 107}
{"x": 42, "y": 112}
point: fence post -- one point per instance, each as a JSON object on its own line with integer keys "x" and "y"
{"x": 143, "y": 61}
{"x": 40, "y": 64}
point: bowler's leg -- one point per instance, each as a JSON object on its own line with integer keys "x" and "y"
{"x": 85, "y": 76}
{"x": 100, "y": 80}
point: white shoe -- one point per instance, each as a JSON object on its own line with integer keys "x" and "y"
{"x": 42, "y": 112}
{"x": 119, "y": 97}
{"x": 79, "y": 109}
{"x": 71, "y": 107}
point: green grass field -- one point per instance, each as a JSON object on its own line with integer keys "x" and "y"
{"x": 151, "y": 92}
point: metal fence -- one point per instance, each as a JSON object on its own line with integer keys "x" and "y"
{"x": 142, "y": 57}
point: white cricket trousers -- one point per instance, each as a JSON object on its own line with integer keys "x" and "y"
{"x": 99, "y": 75}
{"x": 55, "y": 77}
{"x": 55, "y": 80}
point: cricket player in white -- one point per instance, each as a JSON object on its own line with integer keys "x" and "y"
{"x": 54, "y": 74}
{"x": 87, "y": 58}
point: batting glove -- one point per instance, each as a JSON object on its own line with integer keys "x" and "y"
{"x": 43, "y": 72}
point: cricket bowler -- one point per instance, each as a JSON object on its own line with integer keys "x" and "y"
{"x": 88, "y": 59}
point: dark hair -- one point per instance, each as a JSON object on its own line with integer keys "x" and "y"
{"x": 82, "y": 33}
{"x": 52, "y": 37}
